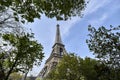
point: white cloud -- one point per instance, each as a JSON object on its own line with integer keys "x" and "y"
{"x": 99, "y": 20}
{"x": 104, "y": 16}
{"x": 67, "y": 25}
{"x": 94, "y": 5}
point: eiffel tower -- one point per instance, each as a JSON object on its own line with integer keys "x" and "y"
{"x": 58, "y": 50}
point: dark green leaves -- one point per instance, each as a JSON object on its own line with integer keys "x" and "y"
{"x": 103, "y": 41}
{"x": 105, "y": 44}
{"x": 28, "y": 10}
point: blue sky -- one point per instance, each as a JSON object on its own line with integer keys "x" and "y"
{"x": 74, "y": 32}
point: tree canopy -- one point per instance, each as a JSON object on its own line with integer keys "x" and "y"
{"x": 73, "y": 67}
{"x": 105, "y": 44}
{"x": 30, "y": 9}
{"x": 15, "y": 76}
{"x": 67, "y": 69}
{"x": 87, "y": 67}
{"x": 19, "y": 53}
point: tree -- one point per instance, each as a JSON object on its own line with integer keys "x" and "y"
{"x": 87, "y": 67}
{"x": 67, "y": 69}
{"x": 73, "y": 67}
{"x": 105, "y": 44}
{"x": 19, "y": 53}
{"x": 7, "y": 22}
{"x": 15, "y": 76}
{"x": 38, "y": 79}
{"x": 103, "y": 72}
{"x": 30, "y": 9}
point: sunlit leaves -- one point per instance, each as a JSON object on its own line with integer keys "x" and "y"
{"x": 67, "y": 69}
{"x": 24, "y": 52}
{"x": 73, "y": 67}
{"x": 15, "y": 76}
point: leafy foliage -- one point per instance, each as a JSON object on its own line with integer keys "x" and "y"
{"x": 19, "y": 53}
{"x": 30, "y": 9}
{"x": 8, "y": 23}
{"x": 38, "y": 79}
{"x": 73, "y": 67}
{"x": 15, "y": 76}
{"x": 105, "y": 44}
{"x": 67, "y": 69}
{"x": 87, "y": 67}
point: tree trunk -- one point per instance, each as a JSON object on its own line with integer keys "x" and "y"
{"x": 24, "y": 77}
{"x": 8, "y": 74}
{"x": 2, "y": 74}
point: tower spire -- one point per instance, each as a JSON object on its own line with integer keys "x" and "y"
{"x": 58, "y": 37}
{"x": 58, "y": 50}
